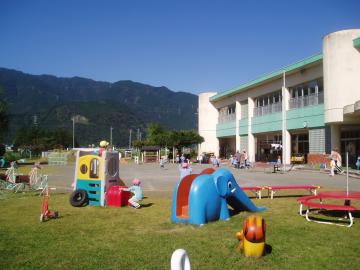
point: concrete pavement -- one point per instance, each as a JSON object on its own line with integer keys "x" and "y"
{"x": 163, "y": 180}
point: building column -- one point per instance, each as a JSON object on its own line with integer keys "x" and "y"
{"x": 237, "y": 119}
{"x": 208, "y": 119}
{"x": 286, "y": 138}
{"x": 335, "y": 135}
{"x": 288, "y": 147}
{"x": 251, "y": 138}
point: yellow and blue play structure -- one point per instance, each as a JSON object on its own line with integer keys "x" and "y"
{"x": 95, "y": 173}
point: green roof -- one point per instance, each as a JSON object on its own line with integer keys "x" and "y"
{"x": 357, "y": 42}
{"x": 272, "y": 75}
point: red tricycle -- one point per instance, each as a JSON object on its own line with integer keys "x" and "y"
{"x": 46, "y": 214}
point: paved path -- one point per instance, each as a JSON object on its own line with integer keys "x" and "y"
{"x": 156, "y": 179}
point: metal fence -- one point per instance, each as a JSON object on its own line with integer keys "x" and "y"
{"x": 310, "y": 100}
{"x": 226, "y": 118}
{"x": 58, "y": 158}
{"x": 271, "y": 108}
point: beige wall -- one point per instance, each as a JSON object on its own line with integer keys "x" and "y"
{"x": 341, "y": 73}
{"x": 208, "y": 118}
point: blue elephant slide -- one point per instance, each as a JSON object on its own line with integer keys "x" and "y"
{"x": 204, "y": 197}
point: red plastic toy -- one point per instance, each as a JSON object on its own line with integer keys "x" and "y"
{"x": 117, "y": 197}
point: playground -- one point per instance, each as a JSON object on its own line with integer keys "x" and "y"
{"x": 96, "y": 237}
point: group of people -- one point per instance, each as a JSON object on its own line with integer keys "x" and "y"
{"x": 240, "y": 160}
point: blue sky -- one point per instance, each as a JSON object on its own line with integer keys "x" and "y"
{"x": 191, "y": 46}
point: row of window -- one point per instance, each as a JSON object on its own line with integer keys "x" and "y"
{"x": 302, "y": 95}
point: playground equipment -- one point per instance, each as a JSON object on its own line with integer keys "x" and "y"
{"x": 46, "y": 214}
{"x": 252, "y": 236}
{"x": 180, "y": 260}
{"x": 198, "y": 199}
{"x": 12, "y": 181}
{"x": 117, "y": 197}
{"x": 273, "y": 189}
{"x": 318, "y": 202}
{"x": 95, "y": 174}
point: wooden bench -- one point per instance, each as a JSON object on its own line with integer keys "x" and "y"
{"x": 255, "y": 189}
{"x": 272, "y": 189}
{"x": 308, "y": 201}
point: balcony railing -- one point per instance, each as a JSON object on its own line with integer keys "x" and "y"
{"x": 310, "y": 100}
{"x": 271, "y": 108}
{"x": 226, "y": 118}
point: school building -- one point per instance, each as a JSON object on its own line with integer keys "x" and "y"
{"x": 304, "y": 109}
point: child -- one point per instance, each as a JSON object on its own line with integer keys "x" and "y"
{"x": 185, "y": 170}
{"x": 162, "y": 162}
{"x": 103, "y": 147}
{"x": 138, "y": 194}
{"x": 332, "y": 166}
{"x": 215, "y": 162}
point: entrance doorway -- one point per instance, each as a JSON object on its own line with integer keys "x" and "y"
{"x": 268, "y": 147}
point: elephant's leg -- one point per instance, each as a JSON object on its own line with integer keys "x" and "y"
{"x": 199, "y": 220}
{"x": 224, "y": 211}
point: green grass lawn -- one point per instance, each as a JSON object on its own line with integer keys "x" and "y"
{"x": 124, "y": 238}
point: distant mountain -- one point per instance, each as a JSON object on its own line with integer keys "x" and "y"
{"x": 51, "y": 102}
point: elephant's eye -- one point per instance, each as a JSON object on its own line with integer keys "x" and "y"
{"x": 229, "y": 185}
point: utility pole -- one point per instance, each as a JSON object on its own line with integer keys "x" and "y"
{"x": 130, "y": 139}
{"x": 138, "y": 134}
{"x": 111, "y": 129}
{"x": 73, "y": 119}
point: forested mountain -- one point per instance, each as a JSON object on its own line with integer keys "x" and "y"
{"x": 50, "y": 102}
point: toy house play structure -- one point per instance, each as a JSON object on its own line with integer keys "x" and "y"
{"x": 95, "y": 174}
{"x": 200, "y": 198}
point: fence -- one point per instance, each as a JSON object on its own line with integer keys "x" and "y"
{"x": 58, "y": 158}
{"x": 271, "y": 108}
{"x": 310, "y": 100}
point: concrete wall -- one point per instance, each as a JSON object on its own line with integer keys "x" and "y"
{"x": 307, "y": 117}
{"x": 208, "y": 119}
{"x": 341, "y": 64}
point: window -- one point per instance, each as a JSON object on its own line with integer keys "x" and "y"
{"x": 83, "y": 169}
{"x": 94, "y": 168}
{"x": 112, "y": 168}
{"x": 231, "y": 109}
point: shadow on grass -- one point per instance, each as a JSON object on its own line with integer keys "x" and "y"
{"x": 268, "y": 249}
{"x": 145, "y": 205}
{"x": 233, "y": 212}
{"x": 332, "y": 216}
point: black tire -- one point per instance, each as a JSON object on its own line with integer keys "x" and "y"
{"x": 79, "y": 198}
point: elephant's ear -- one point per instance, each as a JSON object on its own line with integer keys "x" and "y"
{"x": 221, "y": 185}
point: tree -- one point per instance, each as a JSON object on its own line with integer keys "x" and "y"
{"x": 185, "y": 138}
{"x": 37, "y": 140}
{"x": 157, "y": 135}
